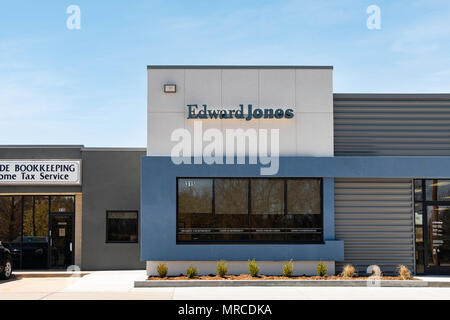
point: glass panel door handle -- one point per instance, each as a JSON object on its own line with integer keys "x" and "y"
{"x": 71, "y": 247}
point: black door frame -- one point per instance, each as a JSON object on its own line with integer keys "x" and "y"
{"x": 50, "y": 225}
{"x": 444, "y": 270}
{"x": 50, "y": 213}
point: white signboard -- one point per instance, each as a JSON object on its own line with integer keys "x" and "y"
{"x": 48, "y": 172}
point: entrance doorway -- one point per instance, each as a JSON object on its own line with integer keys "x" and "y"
{"x": 432, "y": 217}
{"x": 38, "y": 230}
{"x": 61, "y": 240}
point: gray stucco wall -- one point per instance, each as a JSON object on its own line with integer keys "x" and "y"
{"x": 158, "y": 242}
{"x": 111, "y": 181}
{"x": 159, "y": 203}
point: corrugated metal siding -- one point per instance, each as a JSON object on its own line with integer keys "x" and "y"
{"x": 392, "y": 124}
{"x": 374, "y": 217}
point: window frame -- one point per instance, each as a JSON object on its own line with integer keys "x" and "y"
{"x": 264, "y": 242}
{"x": 424, "y": 203}
{"x": 108, "y": 224}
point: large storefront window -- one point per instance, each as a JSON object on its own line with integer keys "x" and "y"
{"x": 432, "y": 218}
{"x": 249, "y": 210}
{"x": 25, "y": 228}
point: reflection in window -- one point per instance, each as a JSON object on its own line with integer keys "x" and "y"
{"x": 121, "y": 226}
{"x": 418, "y": 216}
{"x": 418, "y": 190}
{"x": 62, "y": 204}
{"x": 231, "y": 209}
{"x": 35, "y": 232}
{"x": 304, "y": 209}
{"x": 267, "y": 196}
{"x": 302, "y": 196}
{"x": 10, "y": 219}
{"x": 438, "y": 220}
{"x": 41, "y": 216}
{"x": 28, "y": 217}
{"x": 268, "y": 210}
{"x": 195, "y": 196}
{"x": 24, "y": 226}
{"x": 437, "y": 190}
{"x": 432, "y": 221}
{"x": 195, "y": 219}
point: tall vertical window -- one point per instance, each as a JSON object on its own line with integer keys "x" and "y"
{"x": 432, "y": 220}
{"x": 304, "y": 209}
{"x": 231, "y": 209}
{"x": 267, "y": 210}
{"x": 249, "y": 210}
{"x": 195, "y": 216}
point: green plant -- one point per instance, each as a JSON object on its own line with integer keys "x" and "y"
{"x": 321, "y": 269}
{"x": 288, "y": 269}
{"x": 404, "y": 272}
{"x": 191, "y": 272}
{"x": 348, "y": 271}
{"x": 253, "y": 268}
{"x": 162, "y": 270}
{"x": 222, "y": 268}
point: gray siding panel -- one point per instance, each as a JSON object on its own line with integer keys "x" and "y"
{"x": 374, "y": 217}
{"x": 392, "y": 125}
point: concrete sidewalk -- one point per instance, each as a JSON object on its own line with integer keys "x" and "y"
{"x": 118, "y": 285}
{"x": 434, "y": 278}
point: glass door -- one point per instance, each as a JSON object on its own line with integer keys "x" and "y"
{"x": 438, "y": 226}
{"x": 61, "y": 240}
{"x": 432, "y": 220}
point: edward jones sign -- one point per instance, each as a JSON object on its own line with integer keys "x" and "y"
{"x": 48, "y": 172}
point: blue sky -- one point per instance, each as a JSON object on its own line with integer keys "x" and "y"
{"x": 88, "y": 86}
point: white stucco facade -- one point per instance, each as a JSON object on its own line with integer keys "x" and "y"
{"x": 306, "y": 90}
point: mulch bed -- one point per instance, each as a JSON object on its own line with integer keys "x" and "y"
{"x": 262, "y": 277}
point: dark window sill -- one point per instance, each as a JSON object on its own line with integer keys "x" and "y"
{"x": 248, "y": 242}
{"x": 122, "y": 242}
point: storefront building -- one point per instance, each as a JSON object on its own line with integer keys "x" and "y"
{"x": 68, "y": 205}
{"x": 360, "y": 178}
{"x": 263, "y": 163}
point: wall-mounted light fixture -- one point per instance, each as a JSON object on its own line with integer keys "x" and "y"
{"x": 170, "y": 88}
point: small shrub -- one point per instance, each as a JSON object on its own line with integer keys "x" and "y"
{"x": 162, "y": 270}
{"x": 191, "y": 272}
{"x": 288, "y": 269}
{"x": 222, "y": 268}
{"x": 321, "y": 269}
{"x": 348, "y": 271}
{"x": 376, "y": 271}
{"x": 404, "y": 272}
{"x": 253, "y": 268}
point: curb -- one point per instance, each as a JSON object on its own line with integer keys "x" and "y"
{"x": 281, "y": 283}
{"x": 24, "y": 275}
